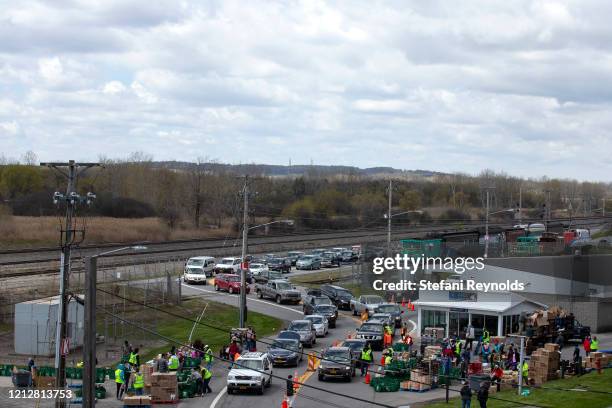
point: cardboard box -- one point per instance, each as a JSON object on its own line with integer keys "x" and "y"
{"x": 551, "y": 347}
{"x": 164, "y": 393}
{"x": 44, "y": 382}
{"x": 137, "y": 400}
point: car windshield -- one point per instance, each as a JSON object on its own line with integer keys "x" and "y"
{"x": 285, "y": 344}
{"x": 344, "y": 293}
{"x": 256, "y": 266}
{"x": 324, "y": 308}
{"x": 348, "y": 253}
{"x": 371, "y": 327}
{"x": 288, "y": 335}
{"x": 275, "y": 261}
{"x": 315, "y": 319}
{"x": 322, "y": 301}
{"x": 336, "y": 355}
{"x": 232, "y": 278}
{"x": 388, "y": 308}
{"x": 306, "y": 257}
{"x": 299, "y": 326}
{"x": 228, "y": 261}
{"x": 252, "y": 364}
{"x": 372, "y": 300}
{"x": 283, "y": 285}
{"x": 195, "y": 262}
{"x": 354, "y": 345}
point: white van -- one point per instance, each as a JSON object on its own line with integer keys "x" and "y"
{"x": 198, "y": 268}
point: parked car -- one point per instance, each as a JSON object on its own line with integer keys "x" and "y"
{"x": 229, "y": 283}
{"x": 257, "y": 268}
{"x": 279, "y": 290}
{"x": 253, "y": 371}
{"x": 340, "y": 297}
{"x": 310, "y": 301}
{"x": 337, "y": 362}
{"x": 329, "y": 260}
{"x": 356, "y": 346}
{"x": 286, "y": 352}
{"x": 320, "y": 324}
{"x": 198, "y": 268}
{"x": 348, "y": 256}
{"x": 368, "y": 303}
{"x": 318, "y": 252}
{"x": 372, "y": 331}
{"x": 288, "y": 335}
{"x": 308, "y": 262}
{"x": 306, "y": 330}
{"x": 228, "y": 265}
{"x": 268, "y": 275}
{"x": 279, "y": 264}
{"x": 394, "y": 310}
{"x": 293, "y": 256}
{"x": 330, "y": 312}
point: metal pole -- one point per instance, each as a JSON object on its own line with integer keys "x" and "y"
{"x": 521, "y": 205}
{"x": 245, "y": 234}
{"x": 89, "y": 343}
{"x": 62, "y": 327}
{"x": 520, "y": 371}
{"x": 389, "y": 218}
{"x": 486, "y": 251}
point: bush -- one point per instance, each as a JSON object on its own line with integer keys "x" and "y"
{"x": 121, "y": 207}
{"x": 454, "y": 214}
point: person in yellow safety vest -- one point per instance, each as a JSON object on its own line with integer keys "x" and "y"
{"x": 119, "y": 380}
{"x": 388, "y": 359}
{"x": 525, "y": 372}
{"x": 366, "y": 359}
{"x": 138, "y": 382}
{"x": 594, "y": 344}
{"x": 134, "y": 359}
{"x": 173, "y": 364}
{"x": 206, "y": 376}
{"x": 80, "y": 364}
{"x": 458, "y": 348}
{"x": 208, "y": 357}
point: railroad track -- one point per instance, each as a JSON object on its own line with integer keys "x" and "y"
{"x": 47, "y": 259}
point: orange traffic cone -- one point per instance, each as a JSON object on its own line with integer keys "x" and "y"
{"x": 412, "y": 307}
{"x": 403, "y": 302}
{"x": 285, "y": 404}
{"x": 295, "y": 380}
{"x": 367, "y": 378}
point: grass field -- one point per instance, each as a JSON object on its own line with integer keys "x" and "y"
{"x": 17, "y": 232}
{"x": 217, "y": 314}
{"x": 589, "y": 391}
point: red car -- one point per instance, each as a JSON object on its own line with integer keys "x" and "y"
{"x": 229, "y": 283}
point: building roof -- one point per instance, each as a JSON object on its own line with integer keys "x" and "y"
{"x": 498, "y": 307}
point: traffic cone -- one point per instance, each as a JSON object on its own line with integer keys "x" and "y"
{"x": 403, "y": 302}
{"x": 412, "y": 307}
{"x": 285, "y": 404}
{"x": 295, "y": 380}
{"x": 367, "y": 378}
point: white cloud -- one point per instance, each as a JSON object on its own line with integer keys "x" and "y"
{"x": 416, "y": 84}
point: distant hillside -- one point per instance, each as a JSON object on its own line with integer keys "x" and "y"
{"x": 273, "y": 170}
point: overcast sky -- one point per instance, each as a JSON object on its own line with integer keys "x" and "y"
{"x": 519, "y": 86}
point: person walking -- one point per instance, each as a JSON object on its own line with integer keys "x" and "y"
{"x": 119, "y": 380}
{"x": 208, "y": 357}
{"x": 466, "y": 395}
{"x": 594, "y": 344}
{"x": 206, "y": 376}
{"x": 483, "y": 394}
{"x": 366, "y": 359}
{"x": 162, "y": 363}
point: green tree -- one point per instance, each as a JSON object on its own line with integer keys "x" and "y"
{"x": 16, "y": 180}
{"x": 410, "y": 200}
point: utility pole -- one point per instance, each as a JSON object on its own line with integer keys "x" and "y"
{"x": 72, "y": 199}
{"x": 603, "y": 207}
{"x": 521, "y": 205}
{"x": 245, "y": 234}
{"x": 89, "y": 340}
{"x": 389, "y": 218}
{"x": 486, "y": 251}
{"x": 548, "y": 209}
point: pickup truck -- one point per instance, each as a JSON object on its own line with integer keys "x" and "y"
{"x": 280, "y": 290}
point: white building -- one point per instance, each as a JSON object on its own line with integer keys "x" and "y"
{"x": 454, "y": 311}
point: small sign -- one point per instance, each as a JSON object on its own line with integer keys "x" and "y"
{"x": 244, "y": 265}
{"x": 65, "y": 349}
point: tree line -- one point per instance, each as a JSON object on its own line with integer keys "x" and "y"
{"x": 206, "y": 194}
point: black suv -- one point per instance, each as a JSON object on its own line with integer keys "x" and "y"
{"x": 339, "y": 296}
{"x": 279, "y": 264}
{"x": 310, "y": 301}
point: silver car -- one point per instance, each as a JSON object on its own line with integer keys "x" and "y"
{"x": 320, "y": 324}
{"x": 306, "y": 330}
{"x": 367, "y": 303}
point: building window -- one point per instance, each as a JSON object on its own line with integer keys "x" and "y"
{"x": 511, "y": 324}
{"x": 432, "y": 318}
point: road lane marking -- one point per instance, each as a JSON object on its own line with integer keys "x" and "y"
{"x": 250, "y": 299}
{"x": 218, "y": 397}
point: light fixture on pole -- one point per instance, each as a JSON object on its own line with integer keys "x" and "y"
{"x": 89, "y": 341}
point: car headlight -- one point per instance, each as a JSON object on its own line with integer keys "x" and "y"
{"x": 231, "y": 377}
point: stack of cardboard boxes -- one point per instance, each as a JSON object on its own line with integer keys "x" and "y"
{"x": 146, "y": 371}
{"x": 544, "y": 364}
{"x": 164, "y": 387}
{"x": 591, "y": 360}
{"x": 419, "y": 381}
{"x": 137, "y": 400}
{"x": 431, "y": 351}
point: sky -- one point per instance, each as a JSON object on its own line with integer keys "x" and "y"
{"x": 523, "y": 87}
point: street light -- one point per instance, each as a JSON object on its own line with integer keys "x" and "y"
{"x": 89, "y": 342}
{"x": 243, "y": 265}
{"x": 486, "y": 251}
